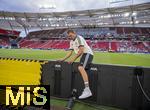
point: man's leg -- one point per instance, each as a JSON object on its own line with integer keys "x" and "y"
{"x": 84, "y": 75}
{"x": 87, "y": 92}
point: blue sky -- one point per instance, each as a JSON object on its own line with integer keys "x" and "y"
{"x": 61, "y": 5}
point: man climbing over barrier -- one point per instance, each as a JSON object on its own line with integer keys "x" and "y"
{"x": 82, "y": 50}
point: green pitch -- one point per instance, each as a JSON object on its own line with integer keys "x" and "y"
{"x": 81, "y": 106}
{"x": 99, "y": 57}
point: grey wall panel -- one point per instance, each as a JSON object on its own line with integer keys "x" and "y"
{"x": 48, "y": 76}
{"x": 146, "y": 87}
{"x": 66, "y": 79}
{"x": 105, "y": 79}
{"x": 93, "y": 74}
{"x": 123, "y": 84}
{"x": 58, "y": 75}
{"x": 136, "y": 98}
{"x": 115, "y": 86}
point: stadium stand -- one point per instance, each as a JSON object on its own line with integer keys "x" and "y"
{"x": 118, "y": 39}
{"x": 100, "y": 39}
{"x": 3, "y": 41}
{"x": 9, "y": 38}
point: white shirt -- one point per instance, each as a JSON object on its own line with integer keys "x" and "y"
{"x": 80, "y": 41}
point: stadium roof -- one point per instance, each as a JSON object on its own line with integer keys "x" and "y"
{"x": 134, "y": 15}
{"x": 62, "y": 5}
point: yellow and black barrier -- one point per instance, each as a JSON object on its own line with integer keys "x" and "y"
{"x": 20, "y": 71}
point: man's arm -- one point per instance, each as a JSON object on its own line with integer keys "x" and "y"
{"x": 67, "y": 56}
{"x": 80, "y": 52}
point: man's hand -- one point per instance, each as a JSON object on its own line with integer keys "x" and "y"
{"x": 66, "y": 57}
{"x": 80, "y": 52}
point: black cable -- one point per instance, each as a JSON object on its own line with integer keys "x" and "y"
{"x": 146, "y": 96}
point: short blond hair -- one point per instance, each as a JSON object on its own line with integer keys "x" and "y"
{"x": 70, "y": 31}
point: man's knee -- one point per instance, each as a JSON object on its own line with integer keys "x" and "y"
{"x": 80, "y": 68}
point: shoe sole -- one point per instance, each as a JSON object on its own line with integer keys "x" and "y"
{"x": 86, "y": 97}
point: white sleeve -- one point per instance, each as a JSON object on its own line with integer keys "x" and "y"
{"x": 80, "y": 41}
